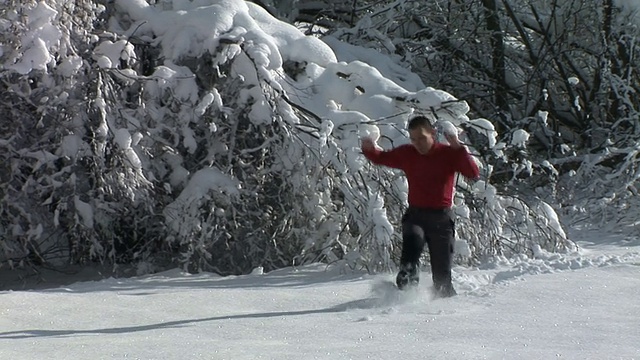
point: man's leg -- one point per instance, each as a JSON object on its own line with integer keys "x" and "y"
{"x": 442, "y": 238}
{"x": 413, "y": 241}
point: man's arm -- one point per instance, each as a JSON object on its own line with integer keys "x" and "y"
{"x": 393, "y": 158}
{"x": 464, "y": 163}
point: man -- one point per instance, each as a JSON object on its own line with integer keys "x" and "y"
{"x": 430, "y": 168}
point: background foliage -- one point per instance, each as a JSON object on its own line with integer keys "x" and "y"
{"x": 73, "y": 190}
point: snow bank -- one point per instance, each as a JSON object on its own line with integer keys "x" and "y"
{"x": 361, "y": 92}
{"x": 191, "y": 28}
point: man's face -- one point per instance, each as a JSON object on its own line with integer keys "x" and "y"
{"x": 422, "y": 139}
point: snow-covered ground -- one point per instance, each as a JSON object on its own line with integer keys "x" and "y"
{"x": 578, "y": 306}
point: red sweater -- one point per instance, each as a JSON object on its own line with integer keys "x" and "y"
{"x": 430, "y": 176}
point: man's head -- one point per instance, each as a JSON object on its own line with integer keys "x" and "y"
{"x": 422, "y": 134}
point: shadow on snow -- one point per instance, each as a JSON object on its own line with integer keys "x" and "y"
{"x": 25, "y": 334}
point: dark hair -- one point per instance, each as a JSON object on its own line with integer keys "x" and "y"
{"x": 420, "y": 121}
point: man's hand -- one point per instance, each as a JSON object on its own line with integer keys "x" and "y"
{"x": 453, "y": 140}
{"x": 367, "y": 144}
{"x": 450, "y": 133}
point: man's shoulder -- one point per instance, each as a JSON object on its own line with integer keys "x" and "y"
{"x": 442, "y": 148}
{"x": 404, "y": 149}
{"x": 445, "y": 148}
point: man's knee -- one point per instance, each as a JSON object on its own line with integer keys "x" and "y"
{"x": 413, "y": 242}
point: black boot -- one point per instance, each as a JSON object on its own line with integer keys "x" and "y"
{"x": 443, "y": 291}
{"x": 408, "y": 276}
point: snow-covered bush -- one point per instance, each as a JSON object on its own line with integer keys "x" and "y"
{"x": 602, "y": 191}
{"x": 283, "y": 145}
{"x": 73, "y": 189}
{"x": 45, "y": 173}
{"x": 507, "y": 212}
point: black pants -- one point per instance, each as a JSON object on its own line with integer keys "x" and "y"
{"x": 435, "y": 228}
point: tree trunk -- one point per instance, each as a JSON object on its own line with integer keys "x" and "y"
{"x": 497, "y": 53}
{"x": 614, "y": 103}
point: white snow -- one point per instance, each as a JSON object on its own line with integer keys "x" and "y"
{"x": 177, "y": 79}
{"x": 206, "y": 101}
{"x": 70, "y": 66}
{"x": 70, "y": 146}
{"x": 84, "y": 211}
{"x": 41, "y": 39}
{"x": 448, "y": 128}
{"x": 551, "y": 218}
{"x": 201, "y": 185}
{"x": 485, "y": 127}
{"x": 572, "y": 306}
{"x": 36, "y": 56}
{"x": 370, "y": 131}
{"x": 122, "y": 137}
{"x": 108, "y": 54}
{"x": 289, "y": 41}
{"x": 348, "y": 53}
{"x": 520, "y": 138}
